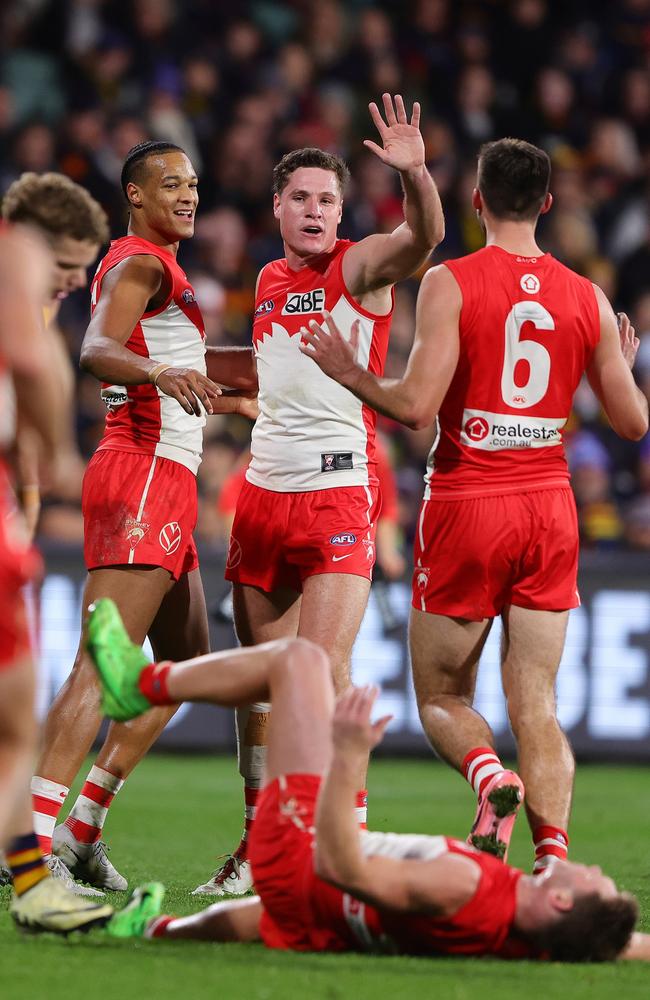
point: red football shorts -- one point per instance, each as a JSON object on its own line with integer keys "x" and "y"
{"x": 280, "y": 539}
{"x": 139, "y": 510}
{"x": 476, "y": 555}
{"x": 19, "y": 563}
{"x": 281, "y": 855}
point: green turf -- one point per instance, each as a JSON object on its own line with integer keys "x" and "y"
{"x": 176, "y": 814}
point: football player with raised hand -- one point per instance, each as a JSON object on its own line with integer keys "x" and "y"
{"x": 311, "y": 501}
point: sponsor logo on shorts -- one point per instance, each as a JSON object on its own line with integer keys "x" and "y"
{"x": 135, "y": 531}
{"x": 422, "y": 577}
{"x": 265, "y": 307}
{"x": 188, "y": 296}
{"x": 530, "y": 284}
{"x": 343, "y": 538}
{"x": 338, "y": 558}
{"x": 501, "y": 431}
{"x": 369, "y": 546}
{"x": 299, "y": 303}
{"x": 234, "y": 553}
{"x": 170, "y": 537}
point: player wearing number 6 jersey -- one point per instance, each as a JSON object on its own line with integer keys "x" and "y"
{"x": 502, "y": 339}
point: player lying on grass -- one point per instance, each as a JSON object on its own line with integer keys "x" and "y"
{"x": 349, "y": 889}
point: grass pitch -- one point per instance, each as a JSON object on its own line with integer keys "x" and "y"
{"x": 177, "y": 814}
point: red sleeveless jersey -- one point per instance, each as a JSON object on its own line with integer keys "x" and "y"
{"x": 528, "y": 328}
{"x": 484, "y": 925}
{"x": 311, "y": 434}
{"x": 141, "y": 418}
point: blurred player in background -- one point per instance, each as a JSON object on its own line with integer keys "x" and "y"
{"x": 502, "y": 339}
{"x": 310, "y": 502}
{"x": 146, "y": 344}
{"x": 74, "y": 226}
{"x": 347, "y": 889}
{"x": 31, "y": 401}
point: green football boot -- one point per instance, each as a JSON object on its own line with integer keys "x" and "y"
{"x": 144, "y": 905}
{"x": 118, "y": 662}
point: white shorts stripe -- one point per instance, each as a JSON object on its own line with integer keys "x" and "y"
{"x": 143, "y": 500}
{"x": 421, "y": 523}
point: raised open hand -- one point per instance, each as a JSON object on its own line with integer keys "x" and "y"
{"x": 403, "y": 146}
{"x": 352, "y": 728}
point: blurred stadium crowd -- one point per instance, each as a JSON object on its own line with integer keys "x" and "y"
{"x": 236, "y": 85}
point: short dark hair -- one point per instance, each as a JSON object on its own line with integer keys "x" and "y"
{"x": 310, "y": 156}
{"x": 132, "y": 169}
{"x": 56, "y": 206}
{"x": 513, "y": 178}
{"x": 593, "y": 930}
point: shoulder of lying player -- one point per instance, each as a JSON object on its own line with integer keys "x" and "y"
{"x": 439, "y": 887}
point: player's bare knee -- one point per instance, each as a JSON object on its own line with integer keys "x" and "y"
{"x": 296, "y": 656}
{"x": 527, "y": 714}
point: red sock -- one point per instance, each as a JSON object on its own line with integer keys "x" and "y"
{"x": 250, "y": 799}
{"x": 362, "y": 809}
{"x": 550, "y": 842}
{"x": 479, "y": 767}
{"x": 157, "y": 927}
{"x": 153, "y": 683}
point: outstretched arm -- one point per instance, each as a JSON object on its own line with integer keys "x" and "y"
{"x": 610, "y": 373}
{"x": 415, "y": 398}
{"x": 440, "y": 886}
{"x": 232, "y": 366}
{"x": 383, "y": 259}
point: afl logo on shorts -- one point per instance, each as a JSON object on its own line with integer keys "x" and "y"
{"x": 530, "y": 284}
{"x": 477, "y": 428}
{"x": 343, "y": 538}
{"x": 170, "y": 537}
{"x": 234, "y": 553}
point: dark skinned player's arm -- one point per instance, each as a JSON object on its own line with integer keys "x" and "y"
{"x": 133, "y": 287}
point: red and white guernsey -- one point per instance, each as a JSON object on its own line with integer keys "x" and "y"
{"x": 311, "y": 434}
{"x": 484, "y": 925}
{"x": 528, "y": 329}
{"x": 141, "y": 418}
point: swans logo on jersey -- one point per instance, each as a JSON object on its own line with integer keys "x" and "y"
{"x": 477, "y": 428}
{"x": 265, "y": 307}
{"x": 170, "y": 537}
{"x": 343, "y": 538}
{"x": 304, "y": 302}
{"x": 530, "y": 283}
{"x": 498, "y": 431}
